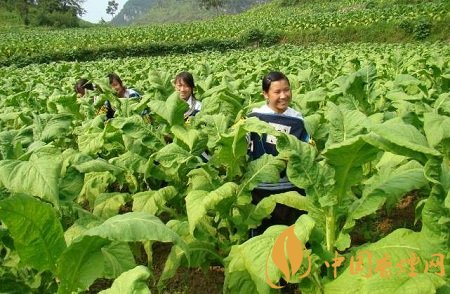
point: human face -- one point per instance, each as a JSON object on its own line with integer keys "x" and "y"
{"x": 80, "y": 91}
{"x": 118, "y": 88}
{"x": 278, "y": 96}
{"x": 183, "y": 89}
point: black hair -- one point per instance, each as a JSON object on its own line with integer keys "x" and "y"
{"x": 273, "y": 76}
{"x": 83, "y": 84}
{"x": 114, "y": 77}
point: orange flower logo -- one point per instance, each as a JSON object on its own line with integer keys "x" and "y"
{"x": 287, "y": 255}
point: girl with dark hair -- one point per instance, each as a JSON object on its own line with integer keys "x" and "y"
{"x": 277, "y": 92}
{"x": 80, "y": 89}
{"x": 82, "y": 85}
{"x": 121, "y": 91}
{"x": 184, "y": 85}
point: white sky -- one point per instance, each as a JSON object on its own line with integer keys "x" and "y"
{"x": 96, "y": 9}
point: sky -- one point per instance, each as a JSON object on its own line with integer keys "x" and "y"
{"x": 96, "y": 9}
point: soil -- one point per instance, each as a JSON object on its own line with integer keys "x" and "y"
{"x": 193, "y": 280}
{"x": 385, "y": 222}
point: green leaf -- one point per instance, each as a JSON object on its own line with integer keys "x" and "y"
{"x": 39, "y": 176}
{"x": 172, "y": 155}
{"x": 394, "y": 183}
{"x": 347, "y": 159}
{"x": 172, "y": 110}
{"x": 191, "y": 137}
{"x": 133, "y": 281}
{"x": 98, "y": 165}
{"x": 59, "y": 125}
{"x": 95, "y": 183}
{"x": 304, "y": 170}
{"x": 198, "y": 203}
{"x": 400, "y": 245}
{"x": 398, "y": 133}
{"x": 436, "y": 127}
{"x": 265, "y": 207}
{"x": 131, "y": 161}
{"x": 91, "y": 142}
{"x": 153, "y": 201}
{"x": 265, "y": 169}
{"x": 204, "y": 178}
{"x": 231, "y": 150}
{"x": 81, "y": 264}
{"x": 135, "y": 227}
{"x": 108, "y": 204}
{"x": 37, "y": 232}
{"x": 344, "y": 124}
{"x": 247, "y": 263}
{"x": 118, "y": 258}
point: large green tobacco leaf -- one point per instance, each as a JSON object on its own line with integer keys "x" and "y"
{"x": 98, "y": 165}
{"x": 194, "y": 139}
{"x": 436, "y": 127}
{"x": 247, "y": 263}
{"x": 265, "y": 169}
{"x": 37, "y": 232}
{"x": 81, "y": 264}
{"x": 117, "y": 255}
{"x": 91, "y": 141}
{"x": 153, "y": 201}
{"x": 393, "y": 183}
{"x": 95, "y": 183}
{"x": 347, "y": 159}
{"x": 38, "y": 176}
{"x": 172, "y": 110}
{"x": 133, "y": 281}
{"x": 344, "y": 124}
{"x": 108, "y": 204}
{"x": 397, "y": 136}
{"x": 118, "y": 258}
{"x": 265, "y": 207}
{"x": 131, "y": 161}
{"x": 199, "y": 203}
{"x": 231, "y": 150}
{"x": 204, "y": 178}
{"x": 172, "y": 156}
{"x": 396, "y": 250}
{"x": 135, "y": 227}
{"x": 216, "y": 125}
{"x": 221, "y": 100}
{"x": 304, "y": 170}
{"x": 59, "y": 125}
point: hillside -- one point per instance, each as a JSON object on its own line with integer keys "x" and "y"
{"x": 175, "y": 11}
{"x": 312, "y": 22}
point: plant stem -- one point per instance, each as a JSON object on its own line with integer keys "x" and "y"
{"x": 330, "y": 223}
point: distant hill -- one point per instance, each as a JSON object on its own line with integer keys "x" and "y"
{"x": 175, "y": 11}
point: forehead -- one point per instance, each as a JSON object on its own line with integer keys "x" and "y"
{"x": 281, "y": 84}
{"x": 181, "y": 82}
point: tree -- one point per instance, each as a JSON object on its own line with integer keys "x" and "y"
{"x": 208, "y": 4}
{"x": 112, "y": 7}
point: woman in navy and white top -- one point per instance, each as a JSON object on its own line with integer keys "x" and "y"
{"x": 277, "y": 92}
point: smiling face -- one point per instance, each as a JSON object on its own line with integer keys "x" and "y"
{"x": 278, "y": 95}
{"x": 183, "y": 89}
